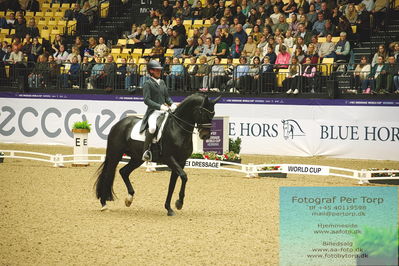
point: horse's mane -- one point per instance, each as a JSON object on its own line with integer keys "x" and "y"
{"x": 190, "y": 100}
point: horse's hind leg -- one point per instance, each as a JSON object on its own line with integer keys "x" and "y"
{"x": 125, "y": 172}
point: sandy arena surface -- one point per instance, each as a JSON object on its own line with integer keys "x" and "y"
{"x": 49, "y": 216}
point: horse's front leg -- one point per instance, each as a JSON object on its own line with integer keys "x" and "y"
{"x": 177, "y": 170}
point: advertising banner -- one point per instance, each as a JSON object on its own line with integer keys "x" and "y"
{"x": 335, "y": 128}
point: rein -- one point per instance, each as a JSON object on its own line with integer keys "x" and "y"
{"x": 197, "y": 126}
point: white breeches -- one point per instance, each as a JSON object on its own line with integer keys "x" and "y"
{"x": 152, "y": 121}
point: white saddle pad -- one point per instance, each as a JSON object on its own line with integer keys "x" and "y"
{"x": 136, "y": 135}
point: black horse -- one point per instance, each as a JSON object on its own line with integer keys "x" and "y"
{"x": 176, "y": 147}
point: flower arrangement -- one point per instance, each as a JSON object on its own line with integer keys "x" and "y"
{"x": 383, "y": 174}
{"x": 228, "y": 156}
{"x": 270, "y": 168}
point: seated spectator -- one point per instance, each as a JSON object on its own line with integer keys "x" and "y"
{"x": 162, "y": 38}
{"x": 61, "y": 55}
{"x": 155, "y": 27}
{"x": 80, "y": 45}
{"x": 85, "y": 71}
{"x": 89, "y": 51}
{"x": 220, "y": 49}
{"x": 392, "y": 70}
{"x": 196, "y": 12}
{"x": 345, "y": 26}
{"x": 86, "y": 12}
{"x": 228, "y": 15}
{"x": 290, "y": 7}
{"x": 179, "y": 27}
{"x": 253, "y": 17}
{"x": 213, "y": 27}
{"x": 342, "y": 49}
{"x": 239, "y": 18}
{"x": 275, "y": 17}
{"x": 203, "y": 70}
{"x": 283, "y": 58}
{"x": 361, "y": 73}
{"x": 97, "y": 74}
{"x": 226, "y": 37}
{"x": 300, "y": 42}
{"x": 147, "y": 41}
{"x": 158, "y": 51}
{"x": 136, "y": 36}
{"x": 254, "y": 74}
{"x": 271, "y": 54}
{"x": 395, "y": 51}
{"x": 311, "y": 54}
{"x": 326, "y": 47}
{"x": 241, "y": 34}
{"x": 209, "y": 10}
{"x": 101, "y": 49}
{"x": 308, "y": 76}
{"x": 380, "y": 52}
{"x": 236, "y": 48}
{"x": 109, "y": 73}
{"x": 10, "y": 21}
{"x": 262, "y": 42}
{"x": 329, "y": 28}
{"x": 199, "y": 48}
{"x": 177, "y": 41}
{"x": 37, "y": 78}
{"x": 27, "y": 47}
{"x": 312, "y": 14}
{"x": 249, "y": 47}
{"x": 334, "y": 16}
{"x": 292, "y": 80}
{"x": 298, "y": 54}
{"x": 278, "y": 34}
{"x": 279, "y": 42}
{"x": 256, "y": 34}
{"x": 303, "y": 32}
{"x": 288, "y": 40}
{"x": 186, "y": 10}
{"x": 71, "y": 78}
{"x": 56, "y": 43}
{"x": 192, "y": 71}
{"x": 167, "y": 9}
{"x": 20, "y": 27}
{"x": 32, "y": 29}
{"x": 189, "y": 49}
{"x": 217, "y": 76}
{"x": 241, "y": 77}
{"x": 376, "y": 79}
{"x": 75, "y": 52}
{"x": 304, "y": 5}
{"x": 267, "y": 76}
{"x": 318, "y": 26}
{"x": 293, "y": 26}
{"x": 351, "y": 13}
{"x": 270, "y": 42}
{"x": 282, "y": 25}
{"x": 176, "y": 75}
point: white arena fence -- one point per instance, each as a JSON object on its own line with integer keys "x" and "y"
{"x": 250, "y": 170}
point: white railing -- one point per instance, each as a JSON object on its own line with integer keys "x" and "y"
{"x": 250, "y": 170}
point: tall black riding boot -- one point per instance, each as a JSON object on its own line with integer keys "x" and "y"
{"x": 147, "y": 155}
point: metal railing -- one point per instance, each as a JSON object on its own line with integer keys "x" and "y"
{"x": 242, "y": 79}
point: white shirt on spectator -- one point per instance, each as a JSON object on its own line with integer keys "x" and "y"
{"x": 369, "y": 4}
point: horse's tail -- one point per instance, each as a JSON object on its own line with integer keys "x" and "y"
{"x": 105, "y": 182}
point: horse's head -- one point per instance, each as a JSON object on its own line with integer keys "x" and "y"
{"x": 203, "y": 116}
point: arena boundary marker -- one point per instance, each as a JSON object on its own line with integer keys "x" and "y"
{"x": 250, "y": 170}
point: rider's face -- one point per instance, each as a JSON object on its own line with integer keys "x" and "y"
{"x": 156, "y": 73}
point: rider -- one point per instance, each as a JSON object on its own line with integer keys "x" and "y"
{"x": 157, "y": 99}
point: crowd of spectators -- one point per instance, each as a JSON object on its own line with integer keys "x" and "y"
{"x": 265, "y": 36}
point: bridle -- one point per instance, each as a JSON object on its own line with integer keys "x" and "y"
{"x": 197, "y": 125}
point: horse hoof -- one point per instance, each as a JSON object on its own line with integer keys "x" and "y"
{"x": 104, "y": 208}
{"x": 179, "y": 204}
{"x": 171, "y": 213}
{"x": 129, "y": 200}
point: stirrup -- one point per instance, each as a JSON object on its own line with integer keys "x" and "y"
{"x": 147, "y": 156}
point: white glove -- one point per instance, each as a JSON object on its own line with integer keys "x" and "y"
{"x": 164, "y": 108}
{"x": 173, "y": 107}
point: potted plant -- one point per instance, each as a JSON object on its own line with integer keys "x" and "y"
{"x": 377, "y": 246}
{"x": 231, "y": 156}
{"x": 276, "y": 168}
{"x": 81, "y": 130}
{"x": 81, "y": 127}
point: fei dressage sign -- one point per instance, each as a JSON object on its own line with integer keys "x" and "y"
{"x": 287, "y": 127}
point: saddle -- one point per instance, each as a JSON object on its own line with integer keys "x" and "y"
{"x": 140, "y": 136}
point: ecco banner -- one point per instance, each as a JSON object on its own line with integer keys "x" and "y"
{"x": 316, "y": 129}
